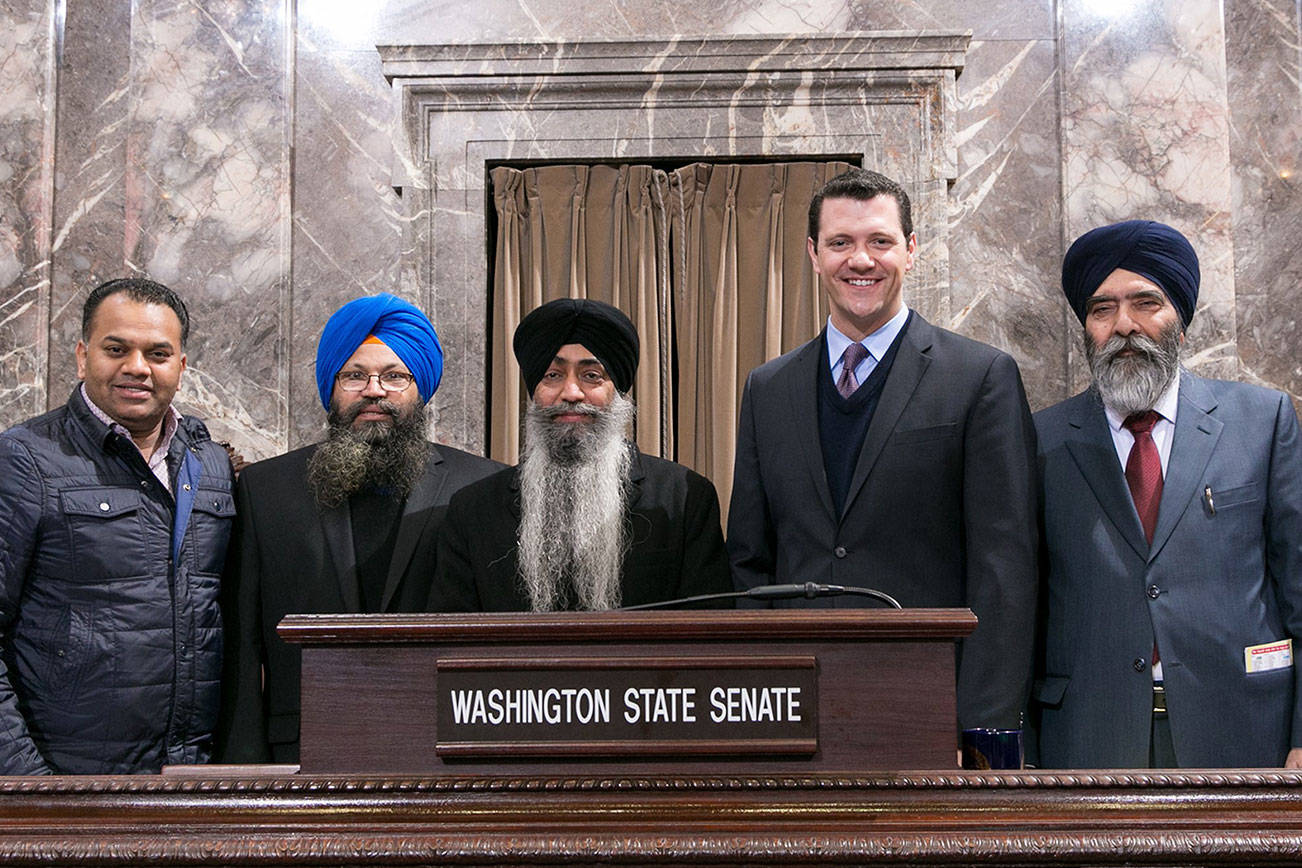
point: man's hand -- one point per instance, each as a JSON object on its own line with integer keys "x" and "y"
{"x": 1294, "y": 759}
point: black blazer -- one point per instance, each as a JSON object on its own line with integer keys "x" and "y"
{"x": 289, "y": 556}
{"x": 941, "y": 509}
{"x": 676, "y": 548}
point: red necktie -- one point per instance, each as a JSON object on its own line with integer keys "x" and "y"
{"x": 1144, "y": 476}
{"x": 1144, "y": 469}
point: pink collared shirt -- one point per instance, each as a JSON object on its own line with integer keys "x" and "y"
{"x": 158, "y": 460}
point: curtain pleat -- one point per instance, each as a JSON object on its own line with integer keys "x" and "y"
{"x": 709, "y": 263}
{"x": 577, "y": 232}
{"x": 744, "y": 291}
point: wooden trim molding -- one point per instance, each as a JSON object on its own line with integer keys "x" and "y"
{"x": 1023, "y": 818}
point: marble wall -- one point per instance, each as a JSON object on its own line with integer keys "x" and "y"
{"x": 252, "y": 155}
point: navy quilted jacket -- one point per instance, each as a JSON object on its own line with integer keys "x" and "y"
{"x": 110, "y": 652}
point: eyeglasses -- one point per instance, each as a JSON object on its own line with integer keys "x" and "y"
{"x": 390, "y": 381}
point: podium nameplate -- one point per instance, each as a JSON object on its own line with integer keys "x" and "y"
{"x": 700, "y": 692}
{"x": 490, "y": 708}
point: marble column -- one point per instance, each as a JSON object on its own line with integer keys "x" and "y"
{"x": 27, "y": 53}
{"x": 1145, "y": 128}
{"x": 347, "y": 224}
{"x": 207, "y": 200}
{"x": 1263, "y": 48}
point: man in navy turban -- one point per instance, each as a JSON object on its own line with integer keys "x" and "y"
{"x": 586, "y": 521}
{"x": 349, "y": 524}
{"x": 1173, "y": 534}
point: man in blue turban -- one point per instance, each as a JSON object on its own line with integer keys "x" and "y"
{"x": 1172, "y": 531}
{"x": 345, "y": 525}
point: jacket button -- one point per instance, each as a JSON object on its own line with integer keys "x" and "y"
{"x": 839, "y": 551}
{"x": 103, "y": 507}
{"x": 1140, "y": 664}
{"x": 1153, "y": 592}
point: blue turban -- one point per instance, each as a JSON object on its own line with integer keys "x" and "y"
{"x": 399, "y": 324}
{"x": 1152, "y": 250}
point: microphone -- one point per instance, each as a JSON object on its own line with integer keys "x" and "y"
{"x": 808, "y": 590}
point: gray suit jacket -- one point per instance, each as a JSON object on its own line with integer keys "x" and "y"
{"x": 940, "y": 511}
{"x": 1216, "y": 580}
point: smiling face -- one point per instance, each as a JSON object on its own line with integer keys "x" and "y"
{"x": 131, "y": 362}
{"x": 374, "y": 407}
{"x": 574, "y": 377}
{"x": 861, "y": 257}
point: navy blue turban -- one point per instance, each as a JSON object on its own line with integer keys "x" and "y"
{"x": 402, "y": 328}
{"x": 1149, "y": 249}
{"x": 601, "y": 329}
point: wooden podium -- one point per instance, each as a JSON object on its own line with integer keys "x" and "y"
{"x": 686, "y": 692}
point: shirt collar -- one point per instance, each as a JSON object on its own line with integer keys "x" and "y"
{"x": 876, "y": 343}
{"x": 170, "y": 422}
{"x": 1165, "y": 406}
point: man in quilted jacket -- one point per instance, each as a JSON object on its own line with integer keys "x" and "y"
{"x": 114, "y": 516}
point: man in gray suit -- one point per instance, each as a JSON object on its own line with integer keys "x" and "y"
{"x": 891, "y": 453}
{"x": 1173, "y": 534}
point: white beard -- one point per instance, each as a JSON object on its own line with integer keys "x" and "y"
{"x": 1134, "y": 384}
{"x": 573, "y": 493}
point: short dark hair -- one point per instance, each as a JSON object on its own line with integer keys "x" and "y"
{"x": 138, "y": 289}
{"x": 861, "y": 184}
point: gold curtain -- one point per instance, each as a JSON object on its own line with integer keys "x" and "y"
{"x": 744, "y": 292}
{"x": 708, "y": 260}
{"x": 579, "y": 232}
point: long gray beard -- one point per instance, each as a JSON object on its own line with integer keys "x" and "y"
{"x": 380, "y": 456}
{"x": 573, "y": 493}
{"x": 1133, "y": 384}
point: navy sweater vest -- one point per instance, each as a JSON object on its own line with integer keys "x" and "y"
{"x": 843, "y": 422}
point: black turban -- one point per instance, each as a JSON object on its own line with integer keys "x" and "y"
{"x": 1149, "y": 249}
{"x": 601, "y": 329}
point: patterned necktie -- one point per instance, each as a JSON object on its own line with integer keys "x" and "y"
{"x": 850, "y": 359}
{"x": 1144, "y": 469}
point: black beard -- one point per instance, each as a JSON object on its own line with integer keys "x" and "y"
{"x": 1134, "y": 383}
{"x": 387, "y": 455}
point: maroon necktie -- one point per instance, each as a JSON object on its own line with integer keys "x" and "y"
{"x": 850, "y": 359}
{"x": 1144, "y": 469}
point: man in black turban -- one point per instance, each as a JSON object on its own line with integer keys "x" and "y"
{"x": 1173, "y": 534}
{"x": 586, "y": 521}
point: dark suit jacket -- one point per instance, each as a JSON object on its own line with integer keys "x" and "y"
{"x": 289, "y": 556}
{"x": 1211, "y": 584}
{"x": 940, "y": 510}
{"x": 676, "y": 548}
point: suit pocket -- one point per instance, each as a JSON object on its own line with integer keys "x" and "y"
{"x": 1049, "y": 691}
{"x": 1236, "y": 496}
{"x": 924, "y": 435}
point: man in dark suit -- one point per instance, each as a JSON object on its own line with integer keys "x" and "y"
{"x": 1173, "y": 534}
{"x": 345, "y": 525}
{"x": 586, "y": 521}
{"x": 891, "y": 453}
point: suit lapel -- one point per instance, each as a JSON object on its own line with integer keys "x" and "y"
{"x": 1095, "y": 454}
{"x": 911, "y": 362}
{"x": 802, "y": 393}
{"x": 1196, "y": 433}
{"x": 337, "y": 526}
{"x": 415, "y": 515}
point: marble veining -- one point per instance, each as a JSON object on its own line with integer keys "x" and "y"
{"x": 26, "y": 187}
{"x": 256, "y": 156}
